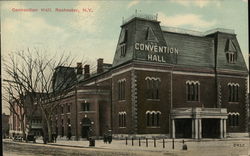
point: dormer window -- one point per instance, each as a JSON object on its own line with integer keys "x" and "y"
{"x": 231, "y": 57}
{"x": 123, "y": 41}
{"x": 231, "y": 52}
{"x": 123, "y": 49}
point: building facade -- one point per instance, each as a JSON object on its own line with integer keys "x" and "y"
{"x": 162, "y": 80}
{"x": 27, "y": 114}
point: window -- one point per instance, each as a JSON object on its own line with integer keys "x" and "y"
{"x": 153, "y": 84}
{"x": 56, "y": 127}
{"x": 68, "y": 121}
{"x": 68, "y": 108}
{"x": 233, "y": 92}
{"x": 62, "y": 134}
{"x": 231, "y": 57}
{"x": 192, "y": 90}
{"x": 122, "y": 119}
{"x": 123, "y": 49}
{"x": 123, "y": 40}
{"x": 85, "y": 106}
{"x": 233, "y": 119}
{"x": 121, "y": 89}
{"x": 153, "y": 118}
{"x": 62, "y": 109}
{"x": 231, "y": 52}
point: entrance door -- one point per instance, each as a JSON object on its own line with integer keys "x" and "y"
{"x": 86, "y": 124}
{"x": 210, "y": 128}
{"x": 183, "y": 128}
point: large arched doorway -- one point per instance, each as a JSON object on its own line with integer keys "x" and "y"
{"x": 86, "y": 125}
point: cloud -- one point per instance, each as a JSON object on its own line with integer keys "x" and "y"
{"x": 87, "y": 21}
{"x": 133, "y": 3}
{"x": 192, "y": 20}
{"x": 198, "y": 3}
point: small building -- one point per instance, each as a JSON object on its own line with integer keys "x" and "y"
{"x": 32, "y": 118}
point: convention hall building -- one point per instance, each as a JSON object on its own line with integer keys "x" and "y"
{"x": 163, "y": 81}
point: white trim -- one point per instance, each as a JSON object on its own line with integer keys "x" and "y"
{"x": 122, "y": 80}
{"x": 233, "y": 113}
{"x": 152, "y": 78}
{"x": 192, "y": 73}
{"x": 192, "y": 82}
{"x": 153, "y": 112}
{"x": 233, "y": 84}
{"x": 159, "y": 70}
{"x": 232, "y": 76}
{"x": 121, "y": 113}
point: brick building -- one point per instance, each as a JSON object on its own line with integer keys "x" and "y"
{"x": 162, "y": 81}
{"x": 32, "y": 118}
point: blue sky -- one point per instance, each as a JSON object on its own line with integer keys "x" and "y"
{"x": 93, "y": 35}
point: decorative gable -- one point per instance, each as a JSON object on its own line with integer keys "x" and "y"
{"x": 150, "y": 36}
{"x": 230, "y": 47}
{"x": 231, "y": 52}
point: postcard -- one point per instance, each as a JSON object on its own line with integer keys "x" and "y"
{"x": 126, "y": 77}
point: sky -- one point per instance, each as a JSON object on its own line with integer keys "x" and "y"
{"x": 93, "y": 33}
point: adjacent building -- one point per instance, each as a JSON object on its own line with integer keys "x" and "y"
{"x": 27, "y": 114}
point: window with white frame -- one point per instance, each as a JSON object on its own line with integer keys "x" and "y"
{"x": 192, "y": 90}
{"x": 122, "y": 119}
{"x": 233, "y": 119}
{"x": 233, "y": 89}
{"x": 153, "y": 118}
{"x": 121, "y": 89}
{"x": 153, "y": 85}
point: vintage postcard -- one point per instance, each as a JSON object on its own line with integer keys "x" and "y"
{"x": 126, "y": 77}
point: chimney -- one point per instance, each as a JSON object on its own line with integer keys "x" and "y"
{"x": 100, "y": 65}
{"x": 86, "y": 71}
{"x": 79, "y": 68}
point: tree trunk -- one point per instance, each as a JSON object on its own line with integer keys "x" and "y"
{"x": 49, "y": 130}
{"x": 23, "y": 128}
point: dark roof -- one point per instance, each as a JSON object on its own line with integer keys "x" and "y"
{"x": 194, "y": 49}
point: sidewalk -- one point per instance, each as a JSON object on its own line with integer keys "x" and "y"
{"x": 206, "y": 147}
{"x": 191, "y": 144}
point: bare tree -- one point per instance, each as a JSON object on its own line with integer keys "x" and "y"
{"x": 47, "y": 80}
{"x": 19, "y": 85}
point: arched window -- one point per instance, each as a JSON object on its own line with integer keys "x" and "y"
{"x": 233, "y": 119}
{"x": 192, "y": 90}
{"x": 233, "y": 92}
{"x": 153, "y": 84}
{"x": 121, "y": 89}
{"x": 148, "y": 119}
{"x": 158, "y": 119}
{"x": 122, "y": 119}
{"x": 153, "y": 118}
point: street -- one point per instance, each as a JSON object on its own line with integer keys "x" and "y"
{"x": 230, "y": 147}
